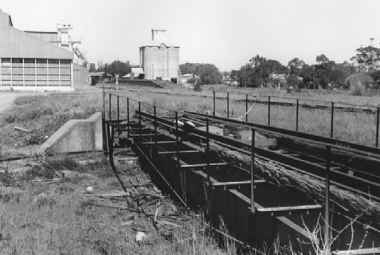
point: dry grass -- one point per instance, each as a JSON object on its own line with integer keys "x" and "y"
{"x": 59, "y": 217}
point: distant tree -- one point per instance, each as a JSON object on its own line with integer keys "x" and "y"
{"x": 257, "y": 60}
{"x": 295, "y": 65}
{"x": 322, "y": 59}
{"x": 367, "y": 59}
{"x": 117, "y": 67}
{"x": 293, "y": 80}
{"x": 208, "y": 73}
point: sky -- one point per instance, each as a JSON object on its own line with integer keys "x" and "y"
{"x": 226, "y": 33}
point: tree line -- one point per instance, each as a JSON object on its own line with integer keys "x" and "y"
{"x": 262, "y": 72}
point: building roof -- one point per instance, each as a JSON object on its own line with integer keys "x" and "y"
{"x": 15, "y": 43}
{"x": 137, "y": 70}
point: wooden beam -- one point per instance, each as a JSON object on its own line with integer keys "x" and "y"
{"x": 357, "y": 252}
{"x": 283, "y": 210}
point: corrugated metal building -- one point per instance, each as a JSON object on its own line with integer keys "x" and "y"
{"x": 159, "y": 58}
{"x": 31, "y": 63}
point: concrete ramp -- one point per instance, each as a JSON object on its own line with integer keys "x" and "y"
{"x": 76, "y": 136}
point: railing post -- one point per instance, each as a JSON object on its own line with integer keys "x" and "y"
{"x": 377, "y": 127}
{"x": 155, "y": 128}
{"x": 246, "y": 107}
{"x": 268, "y": 110}
{"x": 128, "y": 124}
{"x": 140, "y": 121}
{"x": 332, "y": 120}
{"x": 207, "y": 153}
{"x": 213, "y": 96}
{"x": 228, "y": 105}
{"x": 118, "y": 114}
{"x": 176, "y": 137}
{"x": 327, "y": 198}
{"x": 104, "y": 104}
{"x": 297, "y": 114}
{"x": 252, "y": 171}
{"x": 110, "y": 106}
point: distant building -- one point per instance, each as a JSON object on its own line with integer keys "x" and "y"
{"x": 36, "y": 60}
{"x": 136, "y": 73}
{"x": 159, "y": 58}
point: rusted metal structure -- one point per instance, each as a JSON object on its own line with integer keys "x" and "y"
{"x": 254, "y": 209}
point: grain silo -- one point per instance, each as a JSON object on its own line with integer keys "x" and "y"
{"x": 159, "y": 58}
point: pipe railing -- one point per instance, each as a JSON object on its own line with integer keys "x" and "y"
{"x": 252, "y": 152}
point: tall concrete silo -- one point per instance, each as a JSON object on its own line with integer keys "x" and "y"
{"x": 159, "y": 58}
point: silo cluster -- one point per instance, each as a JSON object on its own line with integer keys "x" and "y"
{"x": 159, "y": 58}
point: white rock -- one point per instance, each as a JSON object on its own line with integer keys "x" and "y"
{"x": 89, "y": 189}
{"x": 140, "y": 236}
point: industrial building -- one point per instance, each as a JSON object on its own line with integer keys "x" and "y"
{"x": 39, "y": 61}
{"x": 159, "y": 58}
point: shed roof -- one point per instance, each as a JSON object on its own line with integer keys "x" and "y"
{"x": 15, "y": 43}
{"x": 137, "y": 70}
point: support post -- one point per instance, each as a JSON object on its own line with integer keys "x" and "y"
{"x": 377, "y": 127}
{"x": 118, "y": 114}
{"x": 252, "y": 171}
{"x": 110, "y": 106}
{"x": 268, "y": 110}
{"x": 327, "y": 198}
{"x": 228, "y": 105}
{"x": 207, "y": 152}
{"x": 155, "y": 128}
{"x": 128, "y": 117}
{"x": 332, "y": 120}
{"x": 140, "y": 120}
{"x": 213, "y": 96}
{"x": 297, "y": 113}
{"x": 246, "y": 107}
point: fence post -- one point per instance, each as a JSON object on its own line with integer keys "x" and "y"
{"x": 246, "y": 107}
{"x": 268, "y": 110}
{"x": 207, "y": 153}
{"x": 297, "y": 114}
{"x": 332, "y": 120}
{"x": 213, "y": 103}
{"x": 252, "y": 171}
{"x": 377, "y": 127}
{"x": 327, "y": 198}
{"x": 228, "y": 105}
{"x": 118, "y": 114}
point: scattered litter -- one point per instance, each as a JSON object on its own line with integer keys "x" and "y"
{"x": 21, "y": 129}
{"x": 114, "y": 194}
{"x": 89, "y": 189}
{"x": 140, "y": 236}
{"x": 127, "y": 223}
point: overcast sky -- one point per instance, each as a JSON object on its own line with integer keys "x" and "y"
{"x": 226, "y": 33}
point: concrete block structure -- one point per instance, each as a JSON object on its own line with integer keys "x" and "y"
{"x": 159, "y": 58}
{"x": 33, "y": 61}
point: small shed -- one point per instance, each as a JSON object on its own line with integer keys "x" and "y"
{"x": 137, "y": 73}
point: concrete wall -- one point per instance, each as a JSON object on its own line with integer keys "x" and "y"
{"x": 76, "y": 136}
